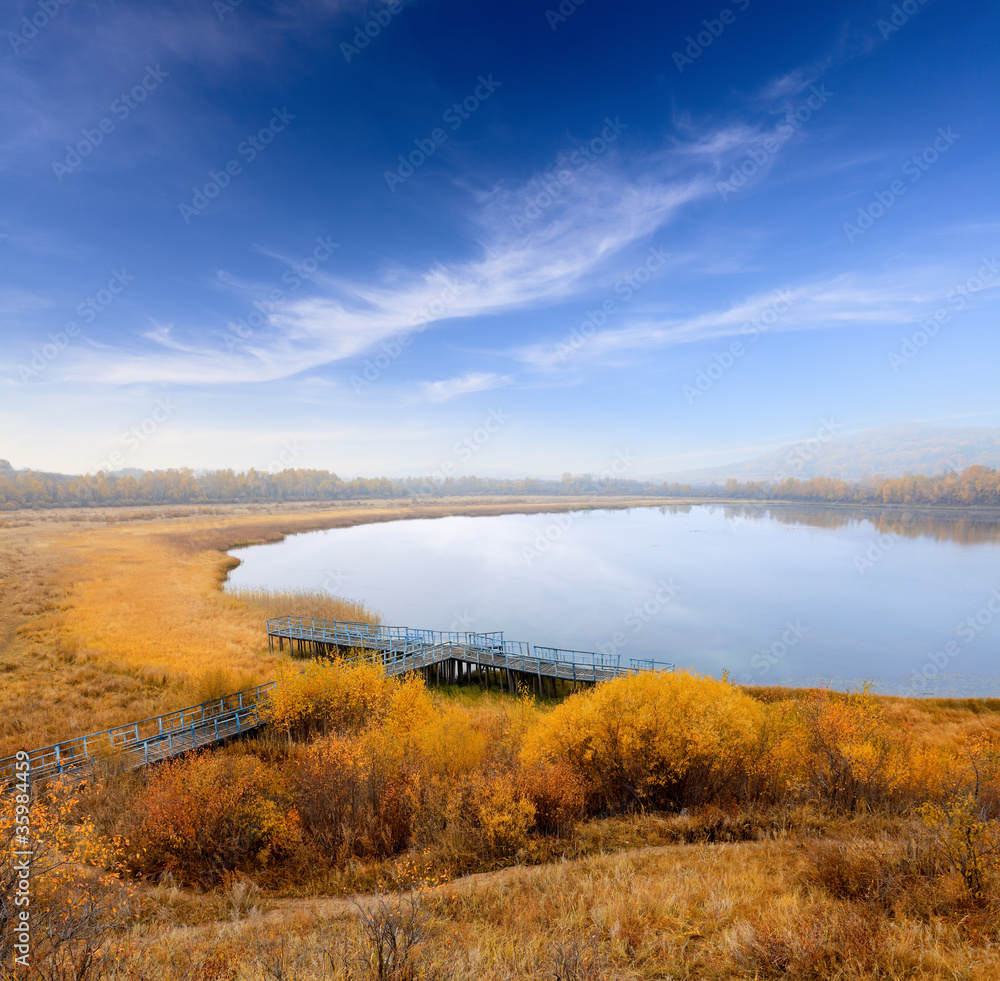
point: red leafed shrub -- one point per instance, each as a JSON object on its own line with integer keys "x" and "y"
{"x": 558, "y": 793}
{"x": 207, "y": 815}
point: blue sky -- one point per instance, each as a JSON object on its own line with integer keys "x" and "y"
{"x": 351, "y": 236}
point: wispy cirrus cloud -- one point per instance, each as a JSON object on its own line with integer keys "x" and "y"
{"x": 474, "y": 381}
{"x": 577, "y": 244}
{"x": 849, "y": 300}
{"x": 571, "y": 251}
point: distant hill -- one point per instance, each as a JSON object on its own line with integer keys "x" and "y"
{"x": 891, "y": 449}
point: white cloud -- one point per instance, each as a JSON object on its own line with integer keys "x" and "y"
{"x": 567, "y": 246}
{"x": 568, "y": 251}
{"x": 475, "y": 381}
{"x": 848, "y": 300}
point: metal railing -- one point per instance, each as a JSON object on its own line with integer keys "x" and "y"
{"x": 423, "y": 647}
{"x": 149, "y": 740}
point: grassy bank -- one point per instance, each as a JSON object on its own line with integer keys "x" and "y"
{"x": 658, "y": 826}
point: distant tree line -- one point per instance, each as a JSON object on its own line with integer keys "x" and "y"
{"x": 975, "y": 486}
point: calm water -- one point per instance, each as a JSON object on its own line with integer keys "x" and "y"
{"x": 772, "y": 595}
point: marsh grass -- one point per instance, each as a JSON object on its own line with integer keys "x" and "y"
{"x": 314, "y": 603}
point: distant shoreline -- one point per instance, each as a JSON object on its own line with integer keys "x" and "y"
{"x": 470, "y": 506}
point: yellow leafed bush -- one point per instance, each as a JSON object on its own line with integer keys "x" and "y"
{"x": 318, "y": 697}
{"x": 841, "y": 750}
{"x": 351, "y": 795}
{"x": 654, "y": 740}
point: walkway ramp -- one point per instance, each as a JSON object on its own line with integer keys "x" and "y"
{"x": 149, "y": 741}
{"x": 402, "y": 649}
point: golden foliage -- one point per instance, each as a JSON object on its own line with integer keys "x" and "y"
{"x": 318, "y": 697}
{"x": 654, "y": 740}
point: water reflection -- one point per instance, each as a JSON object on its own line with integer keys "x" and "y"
{"x": 772, "y": 594}
{"x": 957, "y": 526}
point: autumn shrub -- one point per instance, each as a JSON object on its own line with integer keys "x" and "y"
{"x": 665, "y": 740}
{"x": 841, "y": 751}
{"x": 504, "y": 815}
{"x": 890, "y": 877}
{"x": 472, "y": 819}
{"x": 207, "y": 815}
{"x": 319, "y": 697}
{"x": 967, "y": 841}
{"x": 558, "y": 793}
{"x": 78, "y": 898}
{"x": 351, "y": 796}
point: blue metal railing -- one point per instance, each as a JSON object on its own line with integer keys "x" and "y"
{"x": 400, "y": 644}
{"x": 149, "y": 740}
{"x": 395, "y": 649}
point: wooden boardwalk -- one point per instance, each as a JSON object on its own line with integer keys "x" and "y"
{"x": 149, "y": 741}
{"x": 450, "y": 657}
{"x": 443, "y": 657}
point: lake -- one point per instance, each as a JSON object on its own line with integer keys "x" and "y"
{"x": 786, "y": 595}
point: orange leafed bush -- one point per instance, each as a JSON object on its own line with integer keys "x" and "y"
{"x": 351, "y": 795}
{"x": 841, "y": 750}
{"x": 207, "y": 815}
{"x": 654, "y": 740}
{"x": 559, "y": 795}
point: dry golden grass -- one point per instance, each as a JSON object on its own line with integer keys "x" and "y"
{"x": 713, "y": 912}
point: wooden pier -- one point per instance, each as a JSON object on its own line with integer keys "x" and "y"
{"x": 450, "y": 657}
{"x": 149, "y": 741}
{"x": 442, "y": 657}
